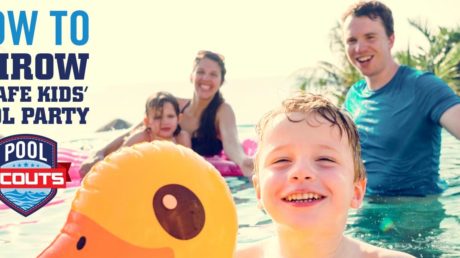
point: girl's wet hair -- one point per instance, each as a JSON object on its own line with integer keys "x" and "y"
{"x": 207, "y": 129}
{"x": 157, "y": 102}
{"x": 316, "y": 104}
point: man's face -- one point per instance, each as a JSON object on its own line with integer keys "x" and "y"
{"x": 367, "y": 45}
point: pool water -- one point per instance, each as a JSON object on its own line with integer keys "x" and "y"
{"x": 421, "y": 226}
{"x": 424, "y": 227}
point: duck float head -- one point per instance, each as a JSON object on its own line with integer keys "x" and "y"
{"x": 151, "y": 200}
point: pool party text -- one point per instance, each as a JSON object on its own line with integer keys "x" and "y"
{"x": 18, "y": 28}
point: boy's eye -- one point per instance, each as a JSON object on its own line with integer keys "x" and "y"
{"x": 281, "y": 160}
{"x": 326, "y": 159}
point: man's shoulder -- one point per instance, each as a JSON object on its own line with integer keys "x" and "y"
{"x": 412, "y": 73}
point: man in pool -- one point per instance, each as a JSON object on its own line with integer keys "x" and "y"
{"x": 399, "y": 111}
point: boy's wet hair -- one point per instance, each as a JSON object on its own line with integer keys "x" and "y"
{"x": 158, "y": 100}
{"x": 316, "y": 104}
{"x": 373, "y": 10}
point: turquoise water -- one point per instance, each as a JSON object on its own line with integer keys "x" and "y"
{"x": 424, "y": 227}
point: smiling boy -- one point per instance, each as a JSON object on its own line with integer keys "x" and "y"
{"x": 308, "y": 173}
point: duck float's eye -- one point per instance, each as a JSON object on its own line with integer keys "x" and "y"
{"x": 81, "y": 243}
{"x": 179, "y": 211}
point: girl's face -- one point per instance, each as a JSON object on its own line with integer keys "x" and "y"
{"x": 206, "y": 78}
{"x": 164, "y": 122}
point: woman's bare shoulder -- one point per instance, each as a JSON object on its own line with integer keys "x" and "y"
{"x": 225, "y": 109}
{"x": 182, "y": 102}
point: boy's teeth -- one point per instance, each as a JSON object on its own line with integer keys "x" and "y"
{"x": 303, "y": 197}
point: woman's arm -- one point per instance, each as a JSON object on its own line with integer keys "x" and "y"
{"x": 229, "y": 135}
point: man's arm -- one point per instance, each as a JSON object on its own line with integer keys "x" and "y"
{"x": 450, "y": 120}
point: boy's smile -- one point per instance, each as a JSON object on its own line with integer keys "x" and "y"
{"x": 301, "y": 198}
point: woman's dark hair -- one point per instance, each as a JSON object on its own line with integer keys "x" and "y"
{"x": 206, "y": 132}
{"x": 157, "y": 102}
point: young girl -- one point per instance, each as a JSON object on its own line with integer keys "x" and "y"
{"x": 161, "y": 122}
{"x": 206, "y": 116}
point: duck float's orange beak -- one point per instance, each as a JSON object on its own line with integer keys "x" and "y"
{"x": 151, "y": 200}
{"x": 82, "y": 237}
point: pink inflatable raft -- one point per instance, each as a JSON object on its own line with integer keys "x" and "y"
{"x": 226, "y": 167}
{"x": 221, "y": 162}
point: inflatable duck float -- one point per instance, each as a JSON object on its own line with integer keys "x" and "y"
{"x": 151, "y": 200}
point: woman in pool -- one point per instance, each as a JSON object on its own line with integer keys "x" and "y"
{"x": 206, "y": 117}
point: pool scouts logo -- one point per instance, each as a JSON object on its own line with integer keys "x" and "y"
{"x": 29, "y": 172}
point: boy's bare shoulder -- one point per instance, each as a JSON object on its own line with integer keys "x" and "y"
{"x": 255, "y": 250}
{"x": 370, "y": 251}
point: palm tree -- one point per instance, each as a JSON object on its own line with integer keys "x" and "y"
{"x": 441, "y": 57}
{"x": 328, "y": 77}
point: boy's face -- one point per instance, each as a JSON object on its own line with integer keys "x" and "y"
{"x": 367, "y": 45}
{"x": 306, "y": 173}
{"x": 163, "y": 124}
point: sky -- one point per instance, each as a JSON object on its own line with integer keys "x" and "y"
{"x": 139, "y": 47}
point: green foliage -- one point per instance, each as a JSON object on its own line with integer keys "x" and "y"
{"x": 329, "y": 78}
{"x": 441, "y": 57}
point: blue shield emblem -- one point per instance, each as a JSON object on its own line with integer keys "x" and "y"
{"x": 24, "y": 153}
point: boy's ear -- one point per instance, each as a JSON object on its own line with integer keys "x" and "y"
{"x": 358, "y": 193}
{"x": 255, "y": 182}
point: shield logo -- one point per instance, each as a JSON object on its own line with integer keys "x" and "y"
{"x": 25, "y": 153}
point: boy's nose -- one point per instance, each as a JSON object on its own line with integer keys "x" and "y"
{"x": 302, "y": 171}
